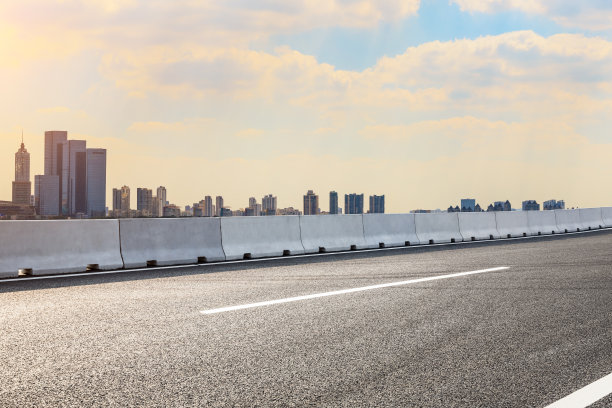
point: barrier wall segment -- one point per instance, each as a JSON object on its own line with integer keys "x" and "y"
{"x": 61, "y": 246}
{"x": 478, "y": 225}
{"x": 389, "y": 230}
{"x": 436, "y": 228}
{"x": 568, "y": 220}
{"x": 328, "y": 233}
{"x": 606, "y": 216}
{"x": 542, "y": 222}
{"x": 259, "y": 237}
{"x": 590, "y": 218}
{"x": 512, "y": 223}
{"x": 170, "y": 241}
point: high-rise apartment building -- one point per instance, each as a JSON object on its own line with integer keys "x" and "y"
{"x": 22, "y": 186}
{"x": 125, "y": 199}
{"x": 121, "y": 201}
{"x": 144, "y": 201}
{"x": 46, "y": 195}
{"x": 208, "y": 207}
{"x": 96, "y": 182}
{"x": 268, "y": 205}
{"x": 468, "y": 204}
{"x": 531, "y": 205}
{"x": 377, "y": 204}
{"x": 353, "y": 203}
{"x": 311, "y": 203}
{"x": 333, "y": 202}
{"x": 116, "y": 200}
{"x": 219, "y": 206}
{"x": 554, "y": 205}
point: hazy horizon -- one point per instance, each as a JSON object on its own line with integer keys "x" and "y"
{"x": 426, "y": 102}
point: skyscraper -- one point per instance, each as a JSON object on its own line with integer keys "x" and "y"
{"x": 208, "y": 207}
{"x": 219, "y": 206}
{"x": 160, "y": 202}
{"x": 125, "y": 199}
{"x": 54, "y": 154}
{"x": 96, "y": 182}
{"x": 268, "y": 205}
{"x": 377, "y": 204}
{"x": 22, "y": 186}
{"x": 353, "y": 203}
{"x": 333, "y": 202}
{"x": 311, "y": 203}
{"x": 144, "y": 201}
{"x": 74, "y": 177}
{"x": 46, "y": 195}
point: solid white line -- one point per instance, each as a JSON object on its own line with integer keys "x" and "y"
{"x": 412, "y": 247}
{"x": 345, "y": 291}
{"x": 587, "y": 395}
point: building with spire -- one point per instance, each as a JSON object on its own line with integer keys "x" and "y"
{"x": 22, "y": 186}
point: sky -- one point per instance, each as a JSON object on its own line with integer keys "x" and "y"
{"x": 425, "y": 101}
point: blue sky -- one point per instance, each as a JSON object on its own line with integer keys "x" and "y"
{"x": 423, "y": 101}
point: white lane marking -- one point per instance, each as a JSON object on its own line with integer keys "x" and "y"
{"x": 587, "y": 395}
{"x": 412, "y": 247}
{"x": 352, "y": 290}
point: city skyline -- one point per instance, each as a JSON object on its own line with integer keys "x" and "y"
{"x": 508, "y": 101}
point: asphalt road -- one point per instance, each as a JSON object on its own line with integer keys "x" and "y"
{"x": 525, "y": 336}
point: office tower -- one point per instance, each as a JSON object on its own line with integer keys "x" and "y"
{"x": 377, "y": 204}
{"x": 198, "y": 209}
{"x": 333, "y": 202}
{"x": 73, "y": 182}
{"x": 468, "y": 204}
{"x": 160, "y": 201}
{"x": 54, "y": 152}
{"x": 252, "y": 202}
{"x": 353, "y": 203}
{"x": 268, "y": 205}
{"x": 121, "y": 201}
{"x": 531, "y": 205}
{"x": 311, "y": 203}
{"x": 162, "y": 195}
{"x": 22, "y": 186}
{"x": 219, "y": 206}
{"x": 144, "y": 201}
{"x": 208, "y": 207}
{"x": 46, "y": 195}
{"x": 96, "y": 183}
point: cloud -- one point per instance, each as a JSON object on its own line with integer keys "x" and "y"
{"x": 590, "y": 15}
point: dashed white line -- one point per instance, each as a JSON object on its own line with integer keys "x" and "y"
{"x": 346, "y": 291}
{"x": 587, "y": 395}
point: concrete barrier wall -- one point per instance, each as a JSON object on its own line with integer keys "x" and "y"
{"x": 477, "y": 226}
{"x": 512, "y": 223}
{"x": 590, "y": 218}
{"x": 568, "y": 220}
{"x": 542, "y": 222}
{"x": 606, "y": 215}
{"x": 170, "y": 241}
{"x": 330, "y": 233}
{"x": 390, "y": 230}
{"x": 437, "y": 227}
{"x": 58, "y": 246}
{"x": 259, "y": 237}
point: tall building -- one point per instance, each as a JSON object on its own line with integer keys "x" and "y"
{"x": 311, "y": 203}
{"x": 22, "y": 186}
{"x": 268, "y": 205}
{"x": 74, "y": 177}
{"x": 333, "y": 202}
{"x": 531, "y": 205}
{"x": 554, "y": 205}
{"x": 353, "y": 203}
{"x": 219, "y": 206}
{"x": 46, "y": 195}
{"x": 252, "y": 201}
{"x": 125, "y": 199}
{"x": 96, "y": 183}
{"x": 468, "y": 204}
{"x": 208, "y": 207}
{"x": 377, "y": 204}
{"x": 116, "y": 201}
{"x": 54, "y": 163}
{"x": 160, "y": 201}
{"x": 121, "y": 201}
{"x": 144, "y": 201}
